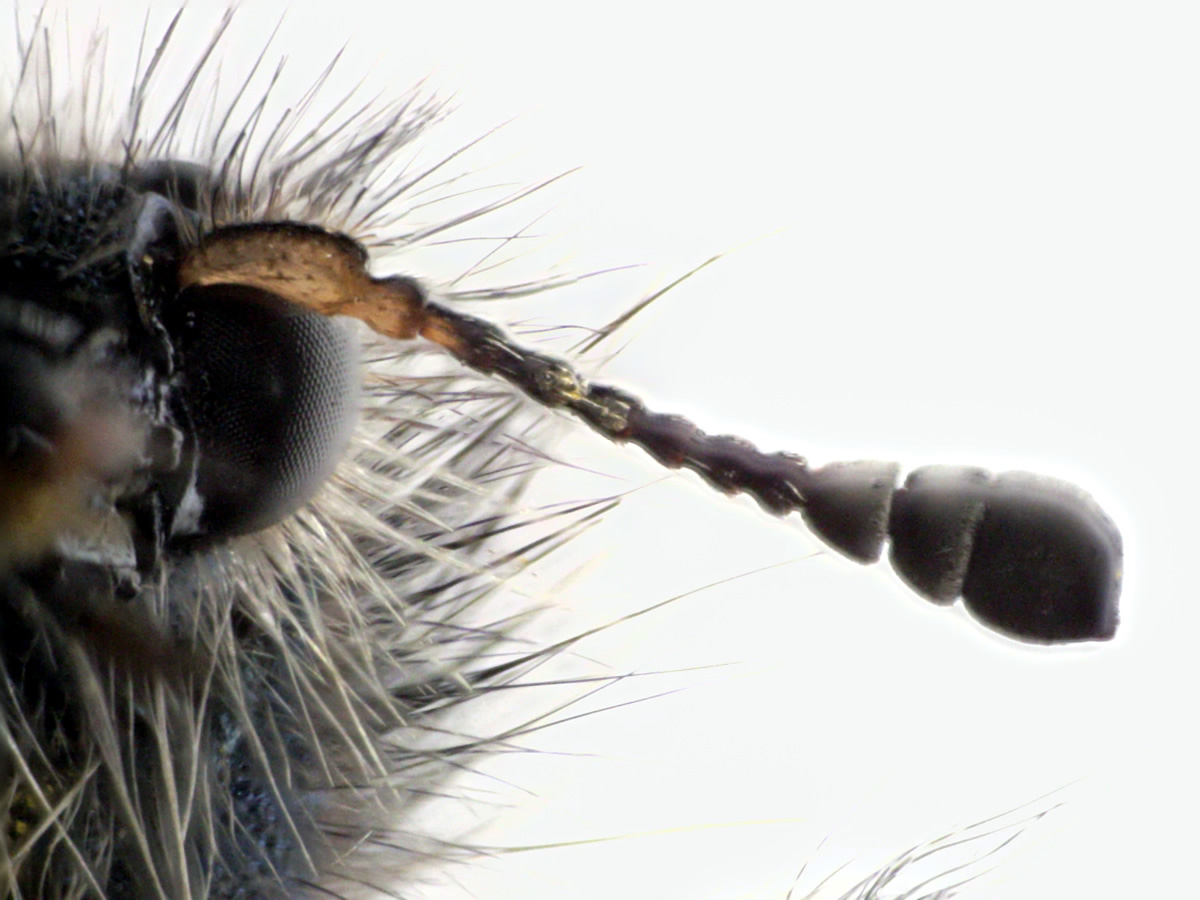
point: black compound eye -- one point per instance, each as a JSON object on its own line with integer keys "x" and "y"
{"x": 271, "y": 389}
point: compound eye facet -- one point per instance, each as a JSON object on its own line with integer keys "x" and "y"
{"x": 271, "y": 389}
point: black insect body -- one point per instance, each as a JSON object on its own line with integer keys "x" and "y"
{"x": 233, "y": 617}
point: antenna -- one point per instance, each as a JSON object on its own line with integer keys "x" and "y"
{"x": 1031, "y": 557}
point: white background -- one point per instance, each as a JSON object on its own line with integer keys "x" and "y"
{"x": 953, "y": 233}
